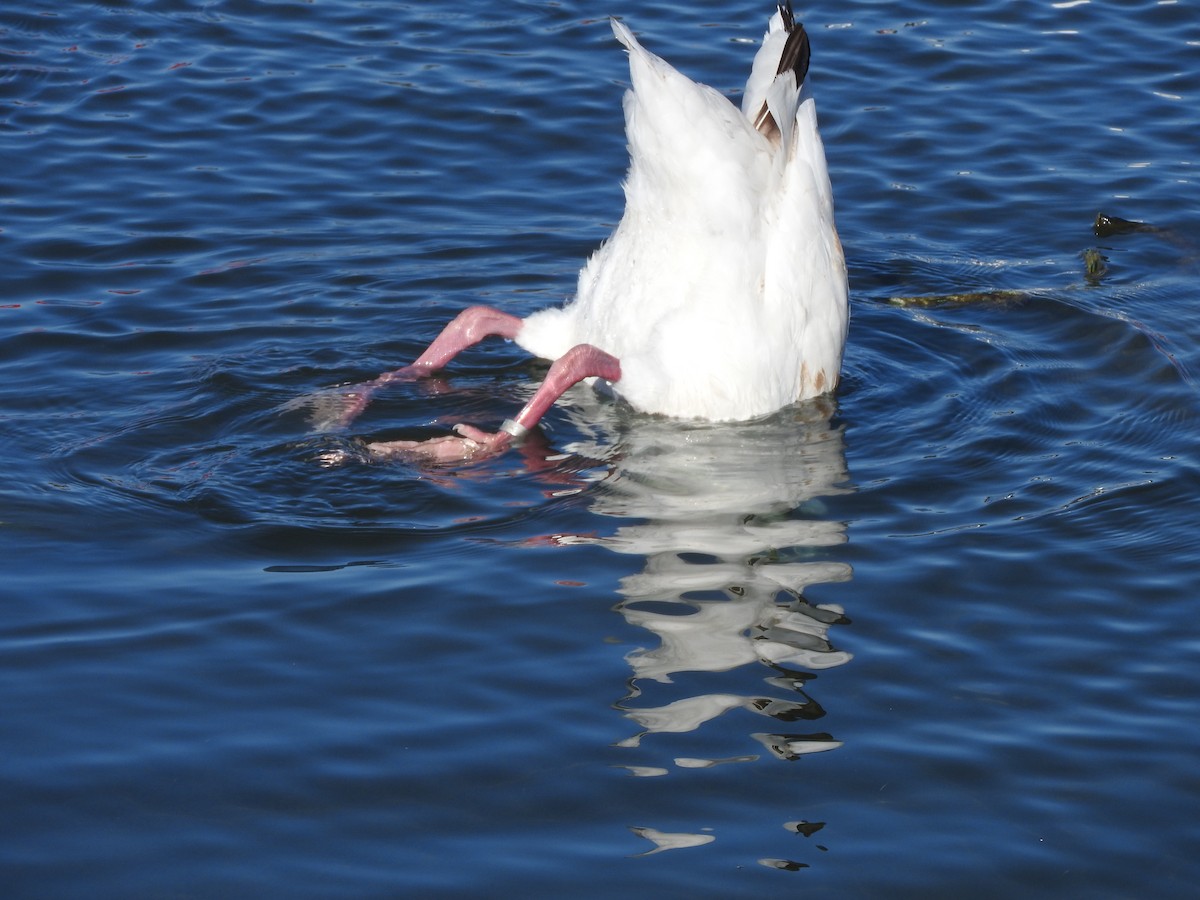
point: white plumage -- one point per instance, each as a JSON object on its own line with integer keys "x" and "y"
{"x": 723, "y": 289}
{"x": 721, "y": 294}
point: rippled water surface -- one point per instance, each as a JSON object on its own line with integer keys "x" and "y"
{"x": 934, "y": 637}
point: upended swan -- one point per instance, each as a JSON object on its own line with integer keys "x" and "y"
{"x": 722, "y": 293}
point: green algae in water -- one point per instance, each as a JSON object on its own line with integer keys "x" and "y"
{"x": 965, "y": 298}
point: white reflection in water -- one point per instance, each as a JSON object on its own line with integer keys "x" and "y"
{"x": 729, "y": 521}
{"x": 670, "y": 841}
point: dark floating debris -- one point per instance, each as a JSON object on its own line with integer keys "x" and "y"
{"x": 1106, "y": 226}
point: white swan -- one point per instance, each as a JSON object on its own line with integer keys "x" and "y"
{"x": 722, "y": 293}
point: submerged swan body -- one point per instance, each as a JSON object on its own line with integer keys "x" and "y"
{"x": 722, "y": 293}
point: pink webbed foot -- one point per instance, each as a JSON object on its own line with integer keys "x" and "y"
{"x": 469, "y": 443}
{"x": 466, "y": 444}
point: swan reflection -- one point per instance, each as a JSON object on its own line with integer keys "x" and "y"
{"x": 729, "y": 521}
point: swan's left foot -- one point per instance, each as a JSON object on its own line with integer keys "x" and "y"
{"x": 336, "y": 409}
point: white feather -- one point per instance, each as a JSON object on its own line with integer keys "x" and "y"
{"x": 723, "y": 289}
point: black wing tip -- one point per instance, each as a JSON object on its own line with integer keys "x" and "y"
{"x": 796, "y": 54}
{"x": 785, "y": 12}
{"x": 794, "y": 58}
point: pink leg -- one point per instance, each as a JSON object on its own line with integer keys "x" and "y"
{"x": 467, "y": 329}
{"x": 580, "y": 362}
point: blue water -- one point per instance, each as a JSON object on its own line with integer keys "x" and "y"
{"x": 932, "y": 638}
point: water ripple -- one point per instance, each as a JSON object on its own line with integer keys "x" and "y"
{"x": 634, "y": 636}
